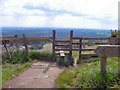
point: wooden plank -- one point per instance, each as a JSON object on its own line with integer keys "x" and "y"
{"x": 71, "y": 39}
{"x": 62, "y": 41}
{"x": 62, "y": 49}
{"x": 75, "y": 43}
{"x": 88, "y": 54}
{"x": 25, "y": 44}
{"x": 88, "y": 49}
{"x": 53, "y": 44}
{"x": 88, "y": 38}
{"x": 97, "y": 43}
{"x": 62, "y": 45}
{"x": 39, "y": 37}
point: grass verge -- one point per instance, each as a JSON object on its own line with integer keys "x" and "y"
{"x": 89, "y": 75}
{"x": 9, "y": 71}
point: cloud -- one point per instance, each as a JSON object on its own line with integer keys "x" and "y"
{"x": 61, "y": 13}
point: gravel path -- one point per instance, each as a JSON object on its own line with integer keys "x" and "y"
{"x": 39, "y": 75}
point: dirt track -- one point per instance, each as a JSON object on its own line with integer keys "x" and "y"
{"x": 39, "y": 75}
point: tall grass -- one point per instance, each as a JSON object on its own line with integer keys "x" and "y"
{"x": 89, "y": 75}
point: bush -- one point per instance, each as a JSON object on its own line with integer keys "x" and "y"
{"x": 18, "y": 56}
{"x": 42, "y": 56}
{"x": 66, "y": 61}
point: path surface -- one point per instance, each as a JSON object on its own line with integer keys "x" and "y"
{"x": 39, "y": 75}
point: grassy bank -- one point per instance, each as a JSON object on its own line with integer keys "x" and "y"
{"x": 88, "y": 75}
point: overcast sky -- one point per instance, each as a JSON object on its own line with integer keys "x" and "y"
{"x": 98, "y": 14}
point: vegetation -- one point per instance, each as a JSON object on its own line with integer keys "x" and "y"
{"x": 115, "y": 33}
{"x": 88, "y": 75}
{"x": 46, "y": 56}
{"x": 19, "y": 61}
{"x": 66, "y": 61}
{"x": 9, "y": 71}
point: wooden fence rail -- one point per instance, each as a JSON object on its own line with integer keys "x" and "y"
{"x": 67, "y": 45}
{"x": 17, "y": 40}
{"x": 57, "y": 45}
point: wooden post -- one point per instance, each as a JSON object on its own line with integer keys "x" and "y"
{"x": 6, "y": 49}
{"x": 80, "y": 48}
{"x": 16, "y": 41}
{"x": 71, "y": 39}
{"x": 53, "y": 45}
{"x": 25, "y": 43}
{"x": 103, "y": 64}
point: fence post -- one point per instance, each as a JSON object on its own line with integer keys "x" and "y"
{"x": 25, "y": 43}
{"x": 53, "y": 45}
{"x": 80, "y": 49}
{"x": 71, "y": 39}
{"x": 16, "y": 41}
{"x": 6, "y": 49}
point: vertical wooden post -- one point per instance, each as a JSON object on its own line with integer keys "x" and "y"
{"x": 103, "y": 64}
{"x": 80, "y": 49}
{"x": 71, "y": 39}
{"x": 25, "y": 43}
{"x": 53, "y": 45}
{"x": 16, "y": 41}
{"x": 6, "y": 49}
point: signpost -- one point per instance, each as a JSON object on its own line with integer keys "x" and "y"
{"x": 104, "y": 51}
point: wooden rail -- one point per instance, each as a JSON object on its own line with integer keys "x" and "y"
{"x": 17, "y": 40}
{"x": 67, "y": 45}
{"x": 57, "y": 45}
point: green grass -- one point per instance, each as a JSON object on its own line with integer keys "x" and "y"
{"x": 9, "y": 71}
{"x": 89, "y": 75}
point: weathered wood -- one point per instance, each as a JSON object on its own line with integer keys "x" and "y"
{"x": 62, "y": 49}
{"x": 104, "y": 51}
{"x": 53, "y": 44}
{"x": 16, "y": 43}
{"x": 90, "y": 49}
{"x": 80, "y": 48}
{"x": 71, "y": 39}
{"x": 62, "y": 41}
{"x": 25, "y": 44}
{"x": 108, "y": 50}
{"x": 88, "y": 38}
{"x": 61, "y": 45}
{"x": 88, "y": 55}
{"x": 6, "y": 49}
{"x": 97, "y": 43}
{"x": 103, "y": 64}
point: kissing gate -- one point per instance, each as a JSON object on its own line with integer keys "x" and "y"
{"x": 75, "y": 44}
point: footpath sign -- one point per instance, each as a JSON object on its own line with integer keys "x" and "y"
{"x": 104, "y": 51}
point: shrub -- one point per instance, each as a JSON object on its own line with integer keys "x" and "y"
{"x": 60, "y": 61}
{"x": 66, "y": 61}
{"x": 18, "y": 56}
{"x": 42, "y": 56}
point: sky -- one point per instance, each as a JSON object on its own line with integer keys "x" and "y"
{"x": 96, "y": 14}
